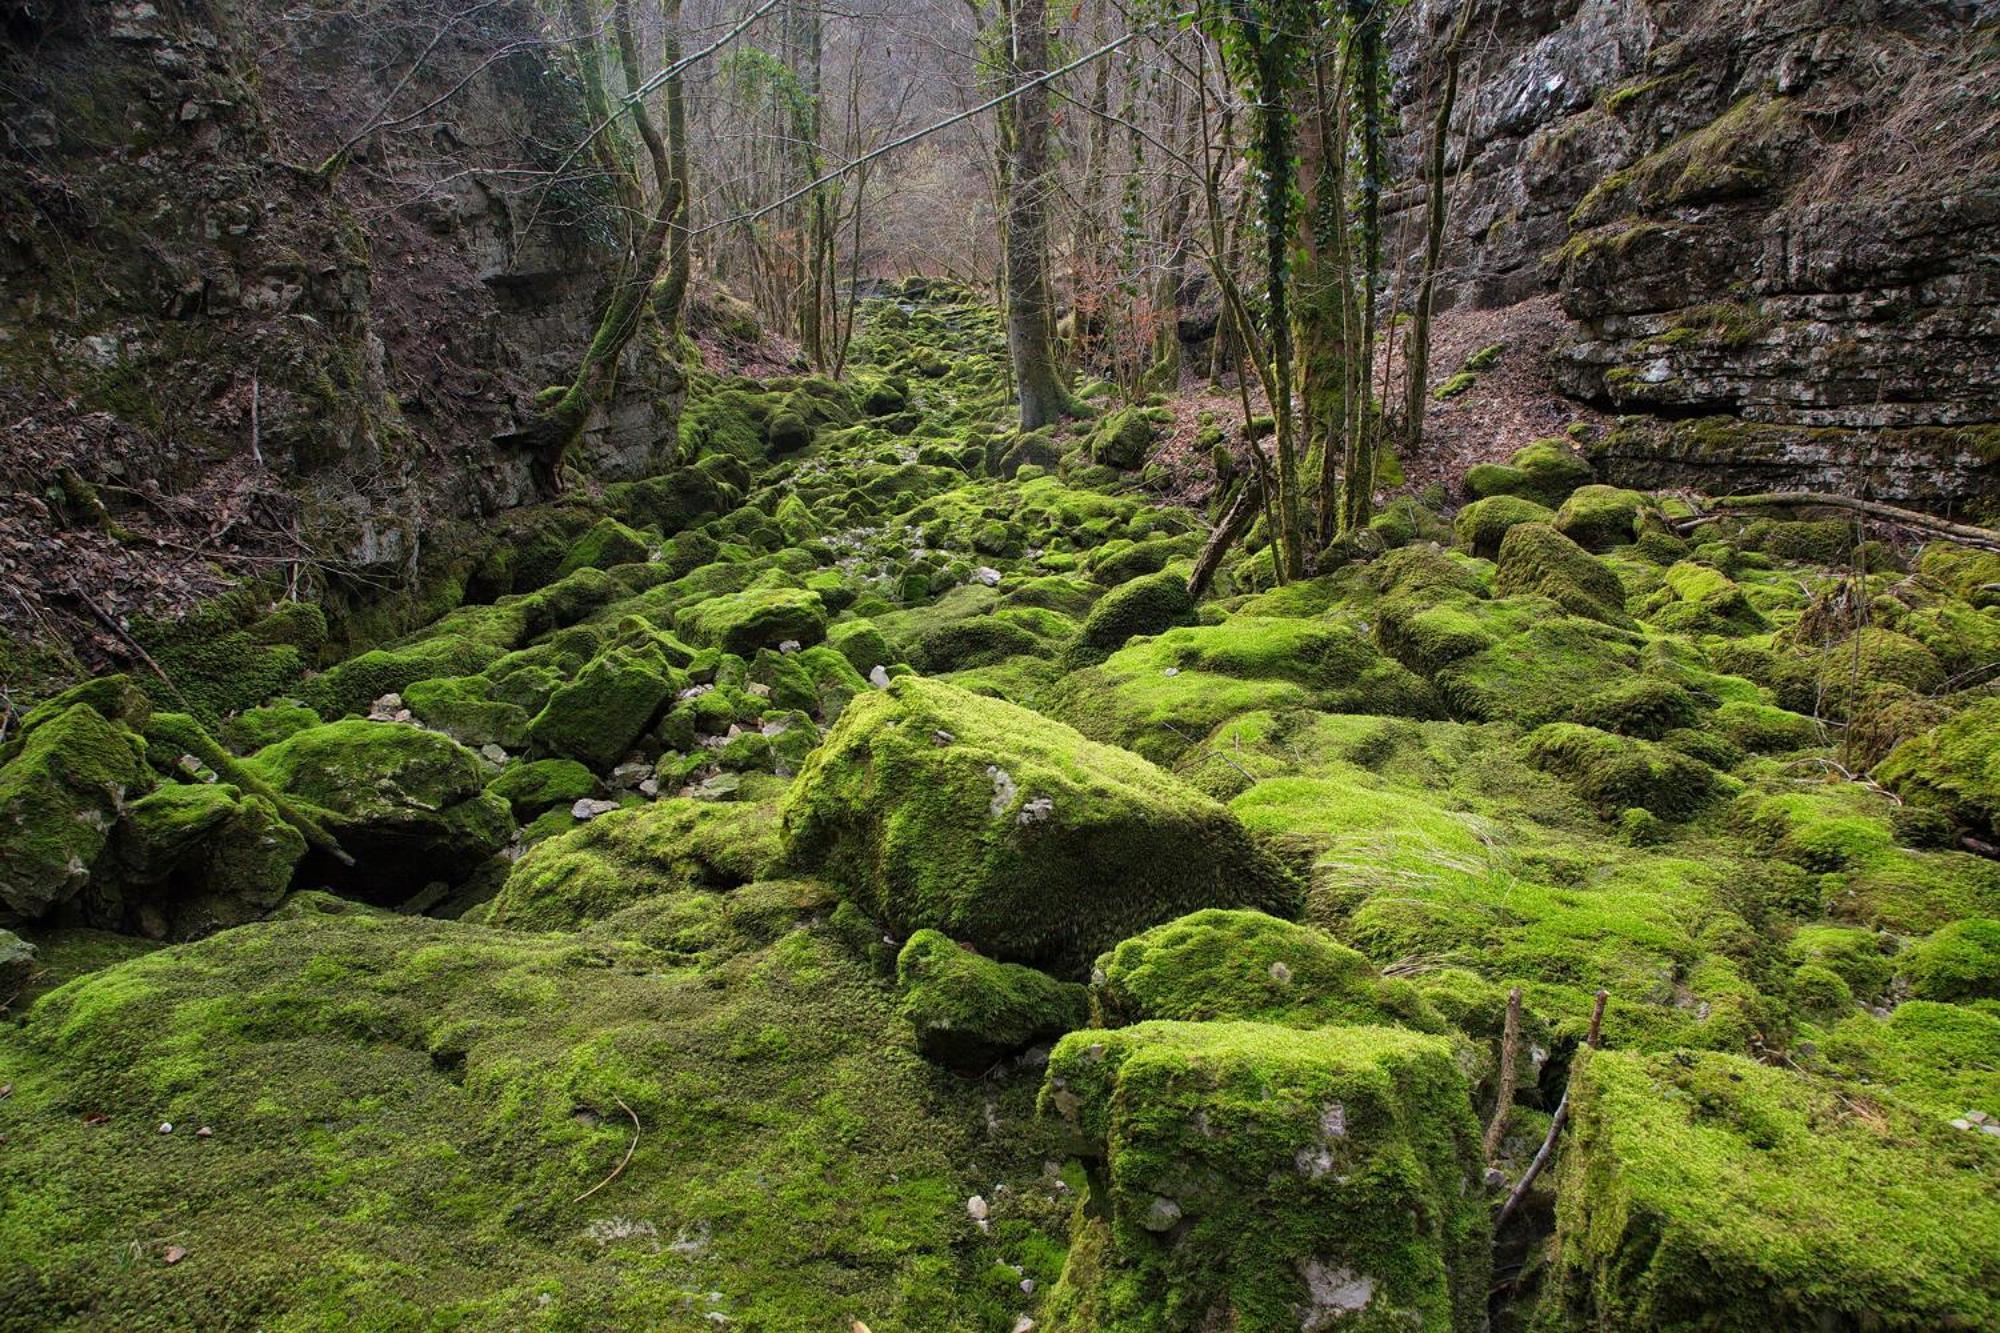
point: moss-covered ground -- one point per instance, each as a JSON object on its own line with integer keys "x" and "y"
{"x": 849, "y": 879}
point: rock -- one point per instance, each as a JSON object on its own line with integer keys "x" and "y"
{"x": 1122, "y": 439}
{"x": 541, "y": 785}
{"x": 975, "y": 1208}
{"x": 589, "y": 808}
{"x": 493, "y": 754}
{"x": 60, "y": 794}
{"x": 1600, "y": 517}
{"x": 878, "y": 676}
{"x": 1199, "y": 1130}
{"x": 969, "y": 1011}
{"x": 599, "y": 716}
{"x": 17, "y": 963}
{"x": 743, "y": 622}
{"x": 986, "y": 575}
{"x": 1142, "y": 606}
{"x": 1536, "y": 558}
{"x": 409, "y": 805}
{"x": 192, "y": 857}
{"x": 921, "y": 835}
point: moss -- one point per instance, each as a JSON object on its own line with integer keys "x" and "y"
{"x": 1712, "y": 1191}
{"x": 1645, "y": 707}
{"x": 1614, "y": 773}
{"x": 1955, "y": 767}
{"x": 969, "y": 1011}
{"x": 1761, "y": 728}
{"x": 255, "y": 728}
{"x": 59, "y": 795}
{"x": 461, "y": 708}
{"x": 975, "y": 641}
{"x": 193, "y": 858}
{"x": 408, "y": 804}
{"x": 1960, "y": 961}
{"x": 1533, "y": 674}
{"x": 620, "y": 858}
{"x": 1238, "y": 965}
{"x": 1936, "y": 1057}
{"x": 1536, "y": 558}
{"x": 1253, "y": 1176}
{"x": 1860, "y": 958}
{"x": 1143, "y": 606}
{"x": 1697, "y": 599}
{"x": 1600, "y": 517}
{"x": 756, "y": 618}
{"x": 1545, "y": 471}
{"x": 1454, "y": 385}
{"x": 1122, "y": 439}
{"x": 599, "y": 716}
{"x": 543, "y": 784}
{"x": 607, "y": 543}
{"x": 936, "y": 808}
{"x": 1480, "y": 526}
{"x": 409, "y": 1114}
{"x": 353, "y": 685}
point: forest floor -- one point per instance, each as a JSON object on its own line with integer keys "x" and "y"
{"x": 855, "y": 885}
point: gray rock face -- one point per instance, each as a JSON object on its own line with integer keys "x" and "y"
{"x": 1763, "y": 225}
{"x": 363, "y": 333}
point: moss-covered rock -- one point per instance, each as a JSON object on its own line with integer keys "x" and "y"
{"x": 969, "y": 1011}
{"x": 463, "y": 708}
{"x": 1600, "y": 517}
{"x": 598, "y": 717}
{"x": 1536, "y": 558}
{"x": 1956, "y": 767}
{"x": 1960, "y": 961}
{"x": 1698, "y": 599}
{"x": 1237, "y": 965}
{"x": 743, "y": 622}
{"x": 1711, "y": 1191}
{"x": 1615, "y": 773}
{"x": 1481, "y": 525}
{"x": 543, "y": 784}
{"x": 1255, "y": 1176}
{"x": 1143, "y": 606}
{"x": 409, "y": 805}
{"x": 254, "y": 728}
{"x": 60, "y": 792}
{"x": 1545, "y": 471}
{"x": 1122, "y": 438}
{"x": 353, "y": 685}
{"x": 619, "y": 858}
{"x": 1645, "y": 707}
{"x": 936, "y": 808}
{"x": 195, "y": 857}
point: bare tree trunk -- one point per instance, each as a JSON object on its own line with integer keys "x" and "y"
{"x": 1029, "y": 344}
{"x": 1358, "y": 492}
{"x": 1417, "y": 397}
{"x": 1241, "y": 510}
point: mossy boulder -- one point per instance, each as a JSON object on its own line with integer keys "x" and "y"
{"x": 195, "y": 857}
{"x": 1122, "y": 439}
{"x": 1955, "y": 767}
{"x": 1246, "y": 1175}
{"x": 409, "y": 805}
{"x": 619, "y": 858}
{"x": 62, "y": 788}
{"x": 1536, "y": 558}
{"x": 1764, "y": 729}
{"x": 608, "y": 542}
{"x": 1960, "y": 961}
{"x": 462, "y": 708}
{"x": 1481, "y": 525}
{"x": 599, "y": 716}
{"x": 933, "y": 807}
{"x": 1699, "y": 599}
{"x": 351, "y": 686}
{"x": 1239, "y": 965}
{"x": 543, "y": 784}
{"x": 1545, "y": 471}
{"x": 969, "y": 1011}
{"x": 1702, "y": 1190}
{"x": 254, "y": 728}
{"x": 1615, "y": 773}
{"x": 1645, "y": 707}
{"x": 1598, "y": 518}
{"x": 1143, "y": 606}
{"x": 743, "y": 622}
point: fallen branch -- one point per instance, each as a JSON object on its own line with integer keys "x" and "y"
{"x": 1726, "y": 506}
{"x": 629, "y": 1150}
{"x": 1503, "y": 1099}
{"x": 1555, "y": 1126}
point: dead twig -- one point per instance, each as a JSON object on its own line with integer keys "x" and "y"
{"x": 629, "y": 1150}
{"x": 1548, "y": 1147}
{"x": 1503, "y": 1097}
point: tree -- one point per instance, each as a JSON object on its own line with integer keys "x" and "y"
{"x": 1030, "y": 330}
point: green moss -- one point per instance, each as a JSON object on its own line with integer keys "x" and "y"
{"x": 1955, "y": 767}
{"x": 59, "y": 794}
{"x": 936, "y": 808}
{"x": 1535, "y": 558}
{"x": 408, "y": 804}
{"x": 1236, "y": 965}
{"x": 1614, "y": 773}
{"x": 461, "y": 708}
{"x": 1600, "y": 517}
{"x": 1545, "y": 472}
{"x": 619, "y": 858}
{"x": 756, "y": 618}
{"x": 1761, "y": 728}
{"x": 1960, "y": 961}
{"x": 598, "y": 717}
{"x": 1697, "y": 599}
{"x": 196, "y": 857}
{"x": 1122, "y": 438}
{"x": 1480, "y": 526}
{"x": 353, "y": 685}
{"x": 255, "y": 728}
{"x": 1713, "y": 1191}
{"x": 1644, "y": 707}
{"x": 1143, "y": 606}
{"x": 1454, "y": 385}
{"x": 969, "y": 1011}
{"x": 1254, "y": 1176}
{"x": 544, "y": 784}
{"x": 607, "y": 543}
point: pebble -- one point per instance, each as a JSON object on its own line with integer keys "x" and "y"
{"x": 942, "y": 737}
{"x": 1027, "y": 1286}
{"x": 987, "y": 575}
{"x": 493, "y": 753}
{"x": 878, "y": 676}
{"x": 1161, "y": 1215}
{"x": 588, "y": 808}
{"x": 1171, "y": 671}
{"x": 1024, "y": 1325}
{"x": 166, "y": 1127}
{"x": 789, "y": 646}
{"x": 975, "y": 1208}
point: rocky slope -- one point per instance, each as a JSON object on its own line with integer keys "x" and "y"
{"x": 1773, "y": 226}
{"x": 852, "y": 881}
{"x": 204, "y": 324}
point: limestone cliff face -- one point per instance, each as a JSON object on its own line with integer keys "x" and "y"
{"x": 1774, "y": 223}
{"x": 184, "y": 296}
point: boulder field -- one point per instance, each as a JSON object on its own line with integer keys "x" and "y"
{"x": 847, "y": 882}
